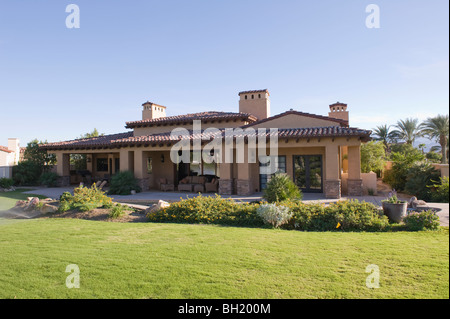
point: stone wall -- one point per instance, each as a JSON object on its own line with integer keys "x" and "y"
{"x": 244, "y": 187}
{"x": 355, "y": 187}
{"x": 333, "y": 189}
{"x": 225, "y": 186}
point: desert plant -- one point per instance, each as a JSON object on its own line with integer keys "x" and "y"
{"x": 84, "y": 199}
{"x": 117, "y": 211}
{"x": 425, "y": 220}
{"x": 274, "y": 215}
{"x": 123, "y": 183}
{"x": 280, "y": 188}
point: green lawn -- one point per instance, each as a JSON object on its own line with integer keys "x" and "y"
{"x": 146, "y": 260}
{"x": 9, "y": 199}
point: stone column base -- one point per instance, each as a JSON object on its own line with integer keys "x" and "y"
{"x": 244, "y": 187}
{"x": 143, "y": 184}
{"x": 355, "y": 187}
{"x": 225, "y": 186}
{"x": 63, "y": 181}
{"x": 333, "y": 189}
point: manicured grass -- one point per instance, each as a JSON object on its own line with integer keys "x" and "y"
{"x": 9, "y": 199}
{"x": 149, "y": 260}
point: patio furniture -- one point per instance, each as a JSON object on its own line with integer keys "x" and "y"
{"x": 188, "y": 183}
{"x": 199, "y": 188}
{"x": 165, "y": 186}
{"x": 212, "y": 186}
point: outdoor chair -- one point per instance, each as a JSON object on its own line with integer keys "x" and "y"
{"x": 165, "y": 186}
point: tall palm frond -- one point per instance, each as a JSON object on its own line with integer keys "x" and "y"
{"x": 407, "y": 130}
{"x": 437, "y": 128}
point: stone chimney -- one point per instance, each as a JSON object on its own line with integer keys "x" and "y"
{"x": 339, "y": 111}
{"x": 255, "y": 102}
{"x": 151, "y": 111}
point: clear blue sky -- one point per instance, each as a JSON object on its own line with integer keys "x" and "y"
{"x": 191, "y": 56}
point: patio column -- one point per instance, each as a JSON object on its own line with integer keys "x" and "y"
{"x": 63, "y": 168}
{"x": 139, "y": 169}
{"x": 225, "y": 167}
{"x": 244, "y": 182}
{"x": 126, "y": 160}
{"x": 332, "y": 185}
{"x": 354, "y": 171}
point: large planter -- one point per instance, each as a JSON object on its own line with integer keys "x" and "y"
{"x": 395, "y": 212}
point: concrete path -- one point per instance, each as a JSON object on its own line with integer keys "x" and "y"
{"x": 150, "y": 197}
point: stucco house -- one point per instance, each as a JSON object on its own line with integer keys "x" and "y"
{"x": 320, "y": 153}
{"x": 9, "y": 156}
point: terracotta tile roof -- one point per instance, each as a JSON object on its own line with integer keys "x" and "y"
{"x": 101, "y": 141}
{"x": 203, "y": 116}
{"x": 297, "y": 133}
{"x": 126, "y": 139}
{"x": 5, "y": 149}
{"x": 254, "y": 91}
{"x": 292, "y": 112}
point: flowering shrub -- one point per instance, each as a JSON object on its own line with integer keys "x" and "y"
{"x": 342, "y": 216}
{"x": 84, "y": 199}
{"x": 274, "y": 215}
{"x": 209, "y": 210}
{"x": 422, "y": 220}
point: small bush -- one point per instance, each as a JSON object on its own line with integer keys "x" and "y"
{"x": 281, "y": 188}
{"x": 6, "y": 182}
{"x": 419, "y": 179}
{"x": 274, "y": 215}
{"x": 117, "y": 211}
{"x": 341, "y": 216}
{"x": 84, "y": 199}
{"x": 209, "y": 210}
{"x": 123, "y": 183}
{"x": 422, "y": 220}
{"x": 49, "y": 179}
{"x": 440, "y": 191}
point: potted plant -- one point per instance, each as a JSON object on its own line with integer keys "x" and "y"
{"x": 394, "y": 208}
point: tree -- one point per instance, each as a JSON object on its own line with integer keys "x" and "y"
{"x": 407, "y": 130}
{"x": 92, "y": 134}
{"x": 372, "y": 157}
{"x": 79, "y": 160}
{"x": 382, "y": 133}
{"x": 37, "y": 155}
{"x": 437, "y": 128}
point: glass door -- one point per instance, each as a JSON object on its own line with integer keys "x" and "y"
{"x": 308, "y": 173}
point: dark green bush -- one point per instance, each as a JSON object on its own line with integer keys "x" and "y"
{"x": 425, "y": 220}
{"x": 440, "y": 190}
{"x": 123, "y": 183}
{"x": 49, "y": 179}
{"x": 27, "y": 173}
{"x": 6, "y": 182}
{"x": 281, "y": 188}
{"x": 419, "y": 180}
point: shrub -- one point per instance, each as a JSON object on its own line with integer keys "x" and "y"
{"x": 6, "y": 182}
{"x": 123, "y": 183}
{"x": 440, "y": 191}
{"x": 281, "y": 188}
{"x": 84, "y": 199}
{"x": 372, "y": 157}
{"x": 49, "y": 179}
{"x": 274, "y": 215}
{"x": 27, "y": 173}
{"x": 419, "y": 179}
{"x": 117, "y": 211}
{"x": 422, "y": 220}
{"x": 209, "y": 210}
{"x": 342, "y": 215}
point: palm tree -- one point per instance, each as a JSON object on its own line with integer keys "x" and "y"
{"x": 437, "y": 128}
{"x": 407, "y": 130}
{"x": 382, "y": 134}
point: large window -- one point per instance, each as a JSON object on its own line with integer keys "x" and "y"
{"x": 265, "y": 161}
{"x": 102, "y": 164}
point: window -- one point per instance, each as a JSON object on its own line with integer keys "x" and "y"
{"x": 253, "y": 96}
{"x": 259, "y": 96}
{"x": 102, "y": 164}
{"x": 280, "y": 164}
{"x": 246, "y": 97}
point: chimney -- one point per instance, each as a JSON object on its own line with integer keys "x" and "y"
{"x": 339, "y": 111}
{"x": 13, "y": 145}
{"x": 151, "y": 111}
{"x": 255, "y": 102}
